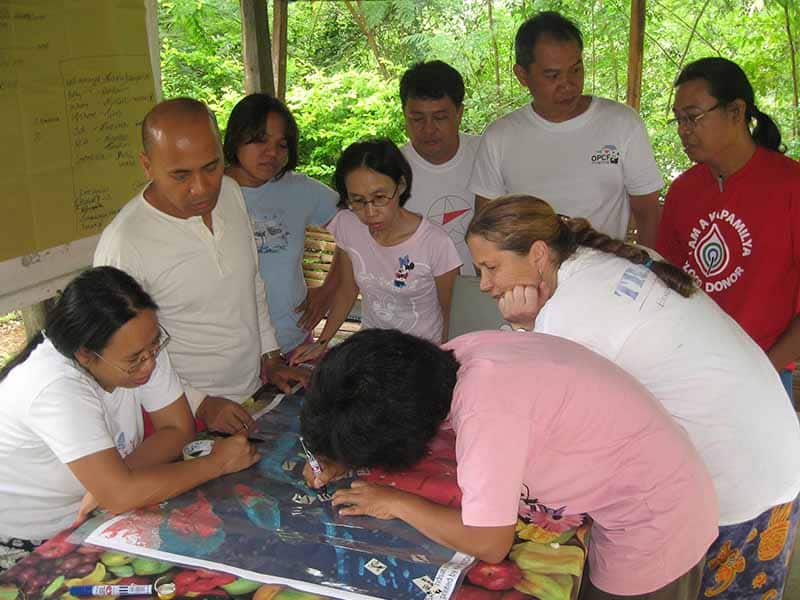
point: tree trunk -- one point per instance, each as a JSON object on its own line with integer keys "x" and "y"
{"x": 594, "y": 53}
{"x": 793, "y": 56}
{"x": 635, "y": 54}
{"x": 361, "y": 20}
{"x": 490, "y": 7}
{"x": 256, "y": 47}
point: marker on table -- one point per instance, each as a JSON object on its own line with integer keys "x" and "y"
{"x": 313, "y": 463}
{"x": 111, "y": 590}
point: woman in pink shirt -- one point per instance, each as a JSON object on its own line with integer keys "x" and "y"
{"x": 403, "y": 265}
{"x": 537, "y": 419}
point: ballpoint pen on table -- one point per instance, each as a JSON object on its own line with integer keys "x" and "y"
{"x": 253, "y": 438}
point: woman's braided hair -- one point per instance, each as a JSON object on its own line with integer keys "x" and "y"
{"x": 515, "y": 222}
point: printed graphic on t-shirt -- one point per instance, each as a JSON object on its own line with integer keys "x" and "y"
{"x": 401, "y": 276}
{"x": 270, "y": 232}
{"x": 543, "y": 524}
{"x": 631, "y": 282}
{"x": 719, "y": 243}
{"x": 453, "y": 213}
{"x": 124, "y": 445}
{"x": 382, "y": 304}
{"x": 607, "y": 155}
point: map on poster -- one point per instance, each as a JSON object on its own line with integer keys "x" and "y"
{"x": 266, "y": 525}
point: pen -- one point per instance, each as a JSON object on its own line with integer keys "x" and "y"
{"x": 313, "y": 463}
{"x": 111, "y": 590}
{"x": 251, "y": 438}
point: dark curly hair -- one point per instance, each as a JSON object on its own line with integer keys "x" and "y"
{"x": 378, "y": 399}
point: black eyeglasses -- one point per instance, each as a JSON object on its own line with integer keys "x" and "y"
{"x": 378, "y": 200}
{"x": 135, "y": 365}
{"x": 690, "y": 121}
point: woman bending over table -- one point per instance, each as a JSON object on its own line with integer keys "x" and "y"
{"x": 539, "y": 422}
{"x": 559, "y": 276}
{"x": 403, "y": 265}
{"x": 71, "y": 416}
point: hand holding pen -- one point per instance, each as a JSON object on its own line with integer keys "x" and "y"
{"x": 316, "y": 469}
{"x": 325, "y": 472}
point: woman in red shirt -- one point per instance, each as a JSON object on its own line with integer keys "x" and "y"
{"x": 732, "y": 221}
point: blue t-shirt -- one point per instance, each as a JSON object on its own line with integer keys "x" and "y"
{"x": 280, "y": 212}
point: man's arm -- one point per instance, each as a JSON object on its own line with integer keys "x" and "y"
{"x": 647, "y": 213}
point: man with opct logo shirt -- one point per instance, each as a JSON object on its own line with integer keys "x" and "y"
{"x": 586, "y": 156}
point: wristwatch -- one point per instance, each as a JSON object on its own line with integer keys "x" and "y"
{"x": 272, "y": 354}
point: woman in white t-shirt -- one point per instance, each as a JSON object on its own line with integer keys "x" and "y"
{"x": 71, "y": 432}
{"x": 403, "y": 265}
{"x": 557, "y": 275}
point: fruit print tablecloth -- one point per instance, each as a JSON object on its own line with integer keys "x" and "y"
{"x": 263, "y": 535}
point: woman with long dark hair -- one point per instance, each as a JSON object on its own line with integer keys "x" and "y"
{"x": 732, "y": 221}
{"x": 71, "y": 428}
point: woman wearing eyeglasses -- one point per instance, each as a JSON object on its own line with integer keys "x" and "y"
{"x": 403, "y": 265}
{"x": 733, "y": 220}
{"x": 71, "y": 432}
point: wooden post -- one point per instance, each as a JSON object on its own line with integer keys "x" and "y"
{"x": 280, "y": 23}
{"x": 256, "y": 47}
{"x": 151, "y": 15}
{"x": 635, "y": 54}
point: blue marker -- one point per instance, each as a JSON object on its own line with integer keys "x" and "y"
{"x": 111, "y": 590}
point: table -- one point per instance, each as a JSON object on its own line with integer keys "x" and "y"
{"x": 235, "y": 532}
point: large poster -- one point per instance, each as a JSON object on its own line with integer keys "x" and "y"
{"x": 266, "y": 525}
{"x": 75, "y": 83}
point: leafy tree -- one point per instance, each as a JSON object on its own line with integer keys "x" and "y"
{"x": 333, "y": 111}
{"x": 339, "y": 93}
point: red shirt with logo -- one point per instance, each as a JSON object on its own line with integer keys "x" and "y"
{"x": 740, "y": 239}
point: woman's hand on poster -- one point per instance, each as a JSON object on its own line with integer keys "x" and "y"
{"x": 314, "y": 307}
{"x": 280, "y": 374}
{"x": 521, "y": 304}
{"x": 308, "y": 352}
{"x": 330, "y": 470}
{"x": 221, "y": 414}
{"x": 370, "y": 499}
{"x": 234, "y": 454}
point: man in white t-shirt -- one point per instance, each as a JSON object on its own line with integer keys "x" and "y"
{"x": 186, "y": 237}
{"x": 441, "y": 158}
{"x": 586, "y": 156}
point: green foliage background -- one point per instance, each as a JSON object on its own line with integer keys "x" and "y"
{"x": 338, "y": 93}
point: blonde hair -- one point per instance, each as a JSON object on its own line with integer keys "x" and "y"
{"x": 515, "y": 222}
